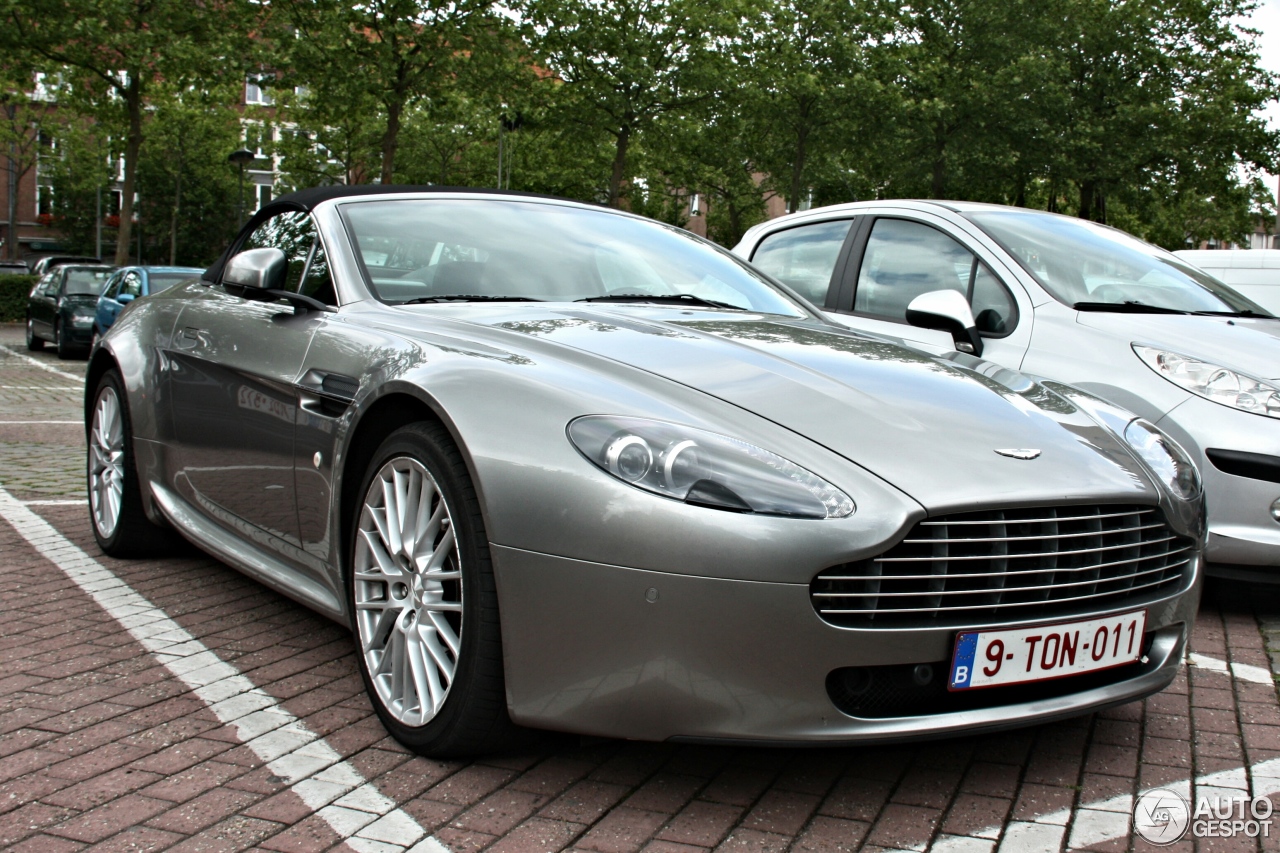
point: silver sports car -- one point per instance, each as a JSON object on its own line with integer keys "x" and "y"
{"x": 567, "y": 468}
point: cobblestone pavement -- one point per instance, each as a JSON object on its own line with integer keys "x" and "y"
{"x": 175, "y": 704}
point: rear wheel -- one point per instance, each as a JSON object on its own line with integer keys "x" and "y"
{"x": 115, "y": 500}
{"x": 35, "y": 344}
{"x": 424, "y": 601}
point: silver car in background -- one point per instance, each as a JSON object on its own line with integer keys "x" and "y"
{"x": 567, "y": 468}
{"x": 1076, "y": 302}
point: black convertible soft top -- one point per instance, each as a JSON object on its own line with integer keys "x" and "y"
{"x": 306, "y": 200}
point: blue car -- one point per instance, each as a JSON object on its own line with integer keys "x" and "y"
{"x": 129, "y": 283}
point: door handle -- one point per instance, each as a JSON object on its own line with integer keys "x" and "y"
{"x": 191, "y": 337}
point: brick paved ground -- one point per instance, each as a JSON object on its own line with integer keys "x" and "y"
{"x": 102, "y": 748}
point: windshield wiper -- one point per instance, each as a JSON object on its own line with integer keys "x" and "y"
{"x": 1128, "y": 307}
{"x": 1242, "y": 313}
{"x": 468, "y": 297}
{"x": 663, "y": 299}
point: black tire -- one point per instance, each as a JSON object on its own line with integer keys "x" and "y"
{"x": 132, "y": 534}
{"x": 34, "y": 343}
{"x": 473, "y": 718}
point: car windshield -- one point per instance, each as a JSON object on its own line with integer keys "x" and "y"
{"x": 85, "y": 282}
{"x": 490, "y": 249}
{"x": 1097, "y": 268}
{"x": 159, "y": 281}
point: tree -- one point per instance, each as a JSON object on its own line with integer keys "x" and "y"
{"x": 388, "y": 53}
{"x": 621, "y": 68}
{"x": 24, "y": 111}
{"x": 813, "y": 85}
{"x": 113, "y": 52}
{"x": 186, "y": 185}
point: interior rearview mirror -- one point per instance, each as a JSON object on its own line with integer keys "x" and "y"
{"x": 947, "y": 311}
{"x": 258, "y": 269}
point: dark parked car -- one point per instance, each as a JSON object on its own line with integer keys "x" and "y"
{"x": 60, "y": 308}
{"x": 14, "y": 268}
{"x": 48, "y": 263}
{"x": 130, "y": 283}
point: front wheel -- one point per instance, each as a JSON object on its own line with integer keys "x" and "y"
{"x": 120, "y": 525}
{"x": 424, "y": 601}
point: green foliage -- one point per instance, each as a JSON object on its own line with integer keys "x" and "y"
{"x": 1145, "y": 113}
{"x": 187, "y": 191}
{"x": 14, "y": 290}
{"x": 370, "y": 63}
{"x": 112, "y": 55}
{"x": 623, "y": 68}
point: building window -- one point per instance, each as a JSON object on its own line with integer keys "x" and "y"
{"x": 264, "y": 195}
{"x": 46, "y": 151}
{"x": 254, "y": 93}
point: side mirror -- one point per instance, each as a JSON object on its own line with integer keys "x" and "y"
{"x": 125, "y": 298}
{"x": 256, "y": 269}
{"x": 947, "y": 311}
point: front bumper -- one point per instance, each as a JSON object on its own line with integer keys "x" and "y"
{"x": 1242, "y": 531}
{"x": 618, "y": 652}
{"x": 78, "y": 336}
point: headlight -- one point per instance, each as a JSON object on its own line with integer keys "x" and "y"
{"x": 704, "y": 469}
{"x": 1219, "y": 384}
{"x": 1164, "y": 456}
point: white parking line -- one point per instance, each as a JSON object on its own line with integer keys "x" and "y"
{"x": 1242, "y": 671}
{"x": 80, "y": 502}
{"x": 40, "y": 364}
{"x": 1106, "y": 820}
{"x": 3, "y": 423}
{"x": 357, "y": 811}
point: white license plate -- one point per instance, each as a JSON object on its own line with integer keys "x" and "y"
{"x": 1019, "y": 655}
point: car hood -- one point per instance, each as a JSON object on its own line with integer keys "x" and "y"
{"x": 927, "y": 425}
{"x": 1249, "y": 344}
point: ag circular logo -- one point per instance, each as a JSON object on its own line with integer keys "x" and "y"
{"x": 1161, "y": 817}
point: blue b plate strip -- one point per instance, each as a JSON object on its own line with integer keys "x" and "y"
{"x": 962, "y": 662}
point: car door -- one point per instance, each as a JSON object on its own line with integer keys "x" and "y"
{"x": 44, "y": 304}
{"x": 108, "y": 306}
{"x": 233, "y": 369}
{"x": 129, "y": 288}
{"x": 895, "y": 257}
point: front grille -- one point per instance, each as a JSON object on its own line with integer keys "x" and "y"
{"x": 1009, "y": 565}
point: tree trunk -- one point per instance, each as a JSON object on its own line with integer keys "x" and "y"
{"x": 797, "y": 168}
{"x": 938, "y": 186}
{"x": 390, "y": 140}
{"x": 619, "y": 173}
{"x": 173, "y": 219}
{"x": 12, "y": 231}
{"x": 1088, "y": 189}
{"x": 132, "y": 145}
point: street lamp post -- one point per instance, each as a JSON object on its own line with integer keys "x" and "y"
{"x": 241, "y": 158}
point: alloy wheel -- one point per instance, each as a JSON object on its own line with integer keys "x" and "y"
{"x": 408, "y": 591}
{"x": 106, "y": 462}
